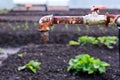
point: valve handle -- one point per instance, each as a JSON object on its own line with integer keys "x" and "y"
{"x": 97, "y": 8}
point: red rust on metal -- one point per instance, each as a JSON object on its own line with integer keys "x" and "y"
{"x": 113, "y": 17}
{"x": 45, "y": 23}
{"x": 107, "y": 19}
{"x": 67, "y": 19}
{"x": 44, "y": 38}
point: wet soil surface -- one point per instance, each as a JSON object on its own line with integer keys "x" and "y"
{"x": 55, "y": 54}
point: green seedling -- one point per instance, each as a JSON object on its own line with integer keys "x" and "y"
{"x": 26, "y": 26}
{"x": 92, "y": 40}
{"x": 35, "y": 24}
{"x": 14, "y": 28}
{"x": 52, "y": 28}
{"x": 20, "y": 55}
{"x": 86, "y": 63}
{"x": 18, "y": 26}
{"x": 87, "y": 40}
{"x": 83, "y": 40}
{"x": 72, "y": 43}
{"x": 31, "y": 65}
{"x": 87, "y": 27}
{"x": 78, "y": 29}
{"x": 66, "y": 26}
{"x": 108, "y": 41}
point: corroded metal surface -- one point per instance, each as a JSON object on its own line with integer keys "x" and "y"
{"x": 67, "y": 19}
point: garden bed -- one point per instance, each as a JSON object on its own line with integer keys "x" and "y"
{"x": 56, "y": 53}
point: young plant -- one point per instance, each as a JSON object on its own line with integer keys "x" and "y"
{"x": 52, "y": 28}
{"x": 87, "y": 27}
{"x": 35, "y": 24}
{"x": 78, "y": 29}
{"x": 88, "y": 64}
{"x": 73, "y": 43}
{"x": 66, "y": 26}
{"x": 26, "y": 26}
{"x": 87, "y": 40}
{"x": 20, "y": 55}
{"x": 14, "y": 28}
{"x": 31, "y": 65}
{"x": 108, "y": 41}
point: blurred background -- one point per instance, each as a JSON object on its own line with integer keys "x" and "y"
{"x": 9, "y": 4}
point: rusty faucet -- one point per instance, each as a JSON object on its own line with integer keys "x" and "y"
{"x": 91, "y": 19}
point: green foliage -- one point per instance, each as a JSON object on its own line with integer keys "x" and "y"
{"x": 66, "y": 26}
{"x": 73, "y": 43}
{"x": 87, "y": 27}
{"x": 35, "y": 24}
{"x": 52, "y": 28}
{"x": 31, "y": 65}
{"x": 14, "y": 28}
{"x": 108, "y": 41}
{"x": 87, "y": 40}
{"x": 20, "y": 55}
{"x": 26, "y": 26}
{"x": 88, "y": 64}
{"x": 4, "y": 11}
{"x": 78, "y": 29}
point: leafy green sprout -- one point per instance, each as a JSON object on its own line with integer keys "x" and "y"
{"x": 14, "y": 28}
{"x": 31, "y": 65}
{"x": 18, "y": 26}
{"x": 26, "y": 26}
{"x": 108, "y": 41}
{"x": 73, "y": 43}
{"x": 52, "y": 27}
{"x": 101, "y": 27}
{"x": 35, "y": 24}
{"x": 87, "y": 27}
{"x": 78, "y": 28}
{"x": 20, "y": 55}
{"x": 66, "y": 26}
{"x": 87, "y": 40}
{"x": 86, "y": 63}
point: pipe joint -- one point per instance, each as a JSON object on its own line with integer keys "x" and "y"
{"x": 94, "y": 18}
{"x": 45, "y": 22}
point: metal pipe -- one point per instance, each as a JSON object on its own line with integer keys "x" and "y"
{"x": 91, "y": 19}
{"x": 67, "y": 19}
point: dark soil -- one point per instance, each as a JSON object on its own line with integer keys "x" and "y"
{"x": 54, "y": 59}
{"x": 54, "y": 55}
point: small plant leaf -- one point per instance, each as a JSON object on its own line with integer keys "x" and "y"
{"x": 21, "y": 68}
{"x": 88, "y": 64}
{"x": 73, "y": 42}
{"x": 31, "y": 65}
{"x": 20, "y": 55}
